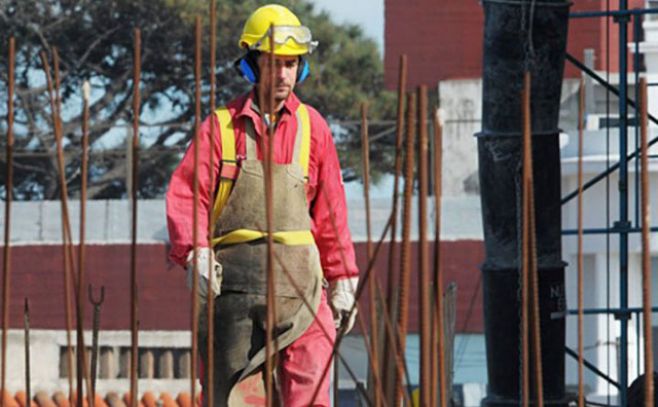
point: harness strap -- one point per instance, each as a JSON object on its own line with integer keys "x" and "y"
{"x": 228, "y": 171}
{"x": 303, "y": 139}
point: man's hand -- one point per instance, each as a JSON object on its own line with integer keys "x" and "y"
{"x": 205, "y": 260}
{"x": 342, "y": 301}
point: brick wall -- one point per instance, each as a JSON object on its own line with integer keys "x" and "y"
{"x": 443, "y": 39}
{"x": 164, "y": 300}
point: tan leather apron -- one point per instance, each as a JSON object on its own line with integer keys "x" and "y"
{"x": 240, "y": 310}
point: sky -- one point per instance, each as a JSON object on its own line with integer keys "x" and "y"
{"x": 369, "y": 14}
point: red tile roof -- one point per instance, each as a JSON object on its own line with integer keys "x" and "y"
{"x": 112, "y": 399}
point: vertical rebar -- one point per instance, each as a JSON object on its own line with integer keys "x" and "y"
{"x": 438, "y": 361}
{"x": 391, "y": 283}
{"x": 269, "y": 190}
{"x": 9, "y": 187}
{"x": 527, "y": 173}
{"x": 94, "y": 339}
{"x": 84, "y": 170}
{"x": 581, "y": 360}
{"x": 646, "y": 249}
{"x": 137, "y": 66}
{"x": 530, "y": 243}
{"x": 372, "y": 284}
{"x": 67, "y": 248}
{"x": 28, "y": 379}
{"x": 66, "y": 225}
{"x": 389, "y": 368}
{"x": 209, "y": 369}
{"x": 405, "y": 253}
{"x": 195, "y": 210}
{"x": 423, "y": 252}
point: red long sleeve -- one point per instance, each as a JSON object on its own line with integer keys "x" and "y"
{"x": 180, "y": 195}
{"x": 325, "y": 191}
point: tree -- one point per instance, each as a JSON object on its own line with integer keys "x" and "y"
{"x": 95, "y": 43}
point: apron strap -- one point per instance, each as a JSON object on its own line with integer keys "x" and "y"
{"x": 250, "y": 140}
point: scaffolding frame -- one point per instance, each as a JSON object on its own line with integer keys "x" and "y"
{"x": 623, "y": 226}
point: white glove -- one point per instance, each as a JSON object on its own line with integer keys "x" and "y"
{"x": 342, "y": 301}
{"x": 205, "y": 256}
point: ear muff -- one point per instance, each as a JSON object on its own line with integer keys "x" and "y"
{"x": 247, "y": 66}
{"x": 303, "y": 70}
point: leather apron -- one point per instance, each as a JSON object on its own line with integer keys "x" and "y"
{"x": 240, "y": 310}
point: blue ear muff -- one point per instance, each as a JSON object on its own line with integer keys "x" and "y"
{"x": 247, "y": 67}
{"x": 246, "y": 70}
{"x": 303, "y": 71}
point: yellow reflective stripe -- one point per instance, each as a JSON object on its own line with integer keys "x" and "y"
{"x": 228, "y": 158}
{"x": 305, "y": 149}
{"x": 289, "y": 238}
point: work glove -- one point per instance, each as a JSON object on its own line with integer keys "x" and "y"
{"x": 342, "y": 299}
{"x": 205, "y": 257}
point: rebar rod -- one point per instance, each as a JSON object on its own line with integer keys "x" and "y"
{"x": 268, "y": 106}
{"x": 646, "y": 249}
{"x": 66, "y": 232}
{"x": 134, "y": 338}
{"x": 66, "y": 222}
{"x": 398, "y": 354}
{"x": 28, "y": 378}
{"x": 209, "y": 369}
{"x": 94, "y": 339}
{"x": 388, "y": 368}
{"x": 9, "y": 187}
{"x": 439, "y": 368}
{"x": 527, "y": 171}
{"x": 372, "y": 284}
{"x": 195, "y": 211}
{"x": 82, "y": 367}
{"x": 581, "y": 357}
{"x": 405, "y": 253}
{"x": 423, "y": 253}
{"x": 533, "y": 279}
{"x": 336, "y": 378}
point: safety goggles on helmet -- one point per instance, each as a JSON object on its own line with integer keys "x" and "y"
{"x": 301, "y": 35}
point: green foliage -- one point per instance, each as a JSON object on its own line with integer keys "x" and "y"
{"x": 95, "y": 43}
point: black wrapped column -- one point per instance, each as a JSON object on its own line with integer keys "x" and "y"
{"x": 506, "y": 55}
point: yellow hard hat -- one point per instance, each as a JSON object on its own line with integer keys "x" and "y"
{"x": 290, "y": 36}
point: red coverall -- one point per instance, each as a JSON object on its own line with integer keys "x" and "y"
{"x": 305, "y": 359}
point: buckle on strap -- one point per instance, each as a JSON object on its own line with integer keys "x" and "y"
{"x": 228, "y": 170}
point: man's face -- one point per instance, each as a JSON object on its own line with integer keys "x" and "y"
{"x": 285, "y": 75}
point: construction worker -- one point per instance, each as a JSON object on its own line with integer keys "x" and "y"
{"x": 312, "y": 246}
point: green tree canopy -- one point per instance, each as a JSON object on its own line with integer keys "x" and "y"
{"x": 95, "y": 43}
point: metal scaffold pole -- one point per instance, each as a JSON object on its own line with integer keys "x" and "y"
{"x": 623, "y": 224}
